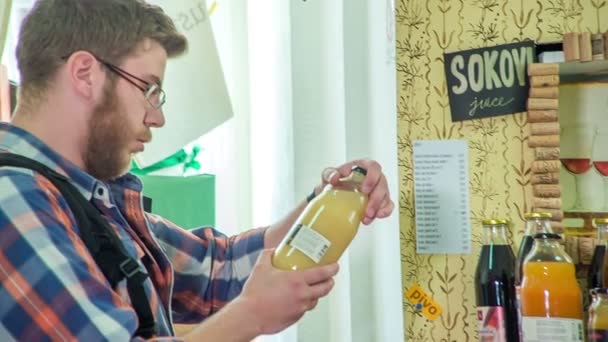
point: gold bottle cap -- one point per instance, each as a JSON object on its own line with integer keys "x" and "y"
{"x": 494, "y": 222}
{"x": 603, "y": 220}
{"x": 529, "y": 216}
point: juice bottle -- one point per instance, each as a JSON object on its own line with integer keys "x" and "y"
{"x": 551, "y": 299}
{"x": 535, "y": 223}
{"x": 596, "y": 271}
{"x": 597, "y": 327}
{"x": 495, "y": 285}
{"x": 326, "y": 226}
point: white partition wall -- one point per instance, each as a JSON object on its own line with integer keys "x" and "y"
{"x": 319, "y": 96}
{"x": 344, "y": 108}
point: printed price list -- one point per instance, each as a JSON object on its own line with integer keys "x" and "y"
{"x": 441, "y": 194}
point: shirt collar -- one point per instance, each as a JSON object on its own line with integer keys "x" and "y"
{"x": 19, "y": 141}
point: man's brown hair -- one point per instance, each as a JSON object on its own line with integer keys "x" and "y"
{"x": 110, "y": 29}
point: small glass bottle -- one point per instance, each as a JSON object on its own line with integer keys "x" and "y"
{"x": 495, "y": 285}
{"x": 597, "y": 327}
{"x": 551, "y": 299}
{"x": 535, "y": 223}
{"x": 326, "y": 226}
{"x": 596, "y": 269}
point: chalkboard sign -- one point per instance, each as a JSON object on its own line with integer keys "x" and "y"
{"x": 489, "y": 81}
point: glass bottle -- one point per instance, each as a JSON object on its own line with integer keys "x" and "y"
{"x": 495, "y": 285}
{"x": 596, "y": 272}
{"x": 597, "y": 327}
{"x": 326, "y": 226}
{"x": 551, "y": 299}
{"x": 535, "y": 223}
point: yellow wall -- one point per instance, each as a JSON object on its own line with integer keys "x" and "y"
{"x": 499, "y": 159}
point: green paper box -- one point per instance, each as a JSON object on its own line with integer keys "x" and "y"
{"x": 187, "y": 201}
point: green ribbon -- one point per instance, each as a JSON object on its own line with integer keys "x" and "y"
{"x": 179, "y": 157}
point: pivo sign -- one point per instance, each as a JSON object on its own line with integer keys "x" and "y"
{"x": 423, "y": 302}
{"x": 488, "y": 81}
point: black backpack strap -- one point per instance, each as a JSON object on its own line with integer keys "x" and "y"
{"x": 103, "y": 244}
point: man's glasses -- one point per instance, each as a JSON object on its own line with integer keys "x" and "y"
{"x": 153, "y": 93}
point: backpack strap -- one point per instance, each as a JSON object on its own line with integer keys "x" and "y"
{"x": 106, "y": 248}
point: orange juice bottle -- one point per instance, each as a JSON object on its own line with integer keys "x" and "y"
{"x": 597, "y": 327}
{"x": 326, "y": 226}
{"x": 551, "y": 299}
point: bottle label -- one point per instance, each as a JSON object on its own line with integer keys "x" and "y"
{"x": 310, "y": 242}
{"x": 541, "y": 329}
{"x": 492, "y": 326}
{"x": 595, "y": 335}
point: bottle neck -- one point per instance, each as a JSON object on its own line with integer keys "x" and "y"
{"x": 547, "y": 250}
{"x": 495, "y": 235}
{"x": 538, "y": 225}
{"x": 352, "y": 182}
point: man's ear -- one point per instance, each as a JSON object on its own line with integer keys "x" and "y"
{"x": 85, "y": 74}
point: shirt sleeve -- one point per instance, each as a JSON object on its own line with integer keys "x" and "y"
{"x": 51, "y": 288}
{"x": 210, "y": 268}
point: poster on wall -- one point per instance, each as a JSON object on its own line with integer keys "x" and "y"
{"x": 441, "y": 193}
{"x": 488, "y": 81}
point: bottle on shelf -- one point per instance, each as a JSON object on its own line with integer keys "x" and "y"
{"x": 597, "y": 326}
{"x": 551, "y": 299}
{"x": 326, "y": 226}
{"x": 495, "y": 285}
{"x": 596, "y": 269}
{"x": 535, "y": 223}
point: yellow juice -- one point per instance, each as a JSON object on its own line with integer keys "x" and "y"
{"x": 324, "y": 229}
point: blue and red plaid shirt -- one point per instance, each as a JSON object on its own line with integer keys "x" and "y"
{"x": 52, "y": 289}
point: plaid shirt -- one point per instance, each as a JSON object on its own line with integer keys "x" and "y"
{"x": 52, "y": 289}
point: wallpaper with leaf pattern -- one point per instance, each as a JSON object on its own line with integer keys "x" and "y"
{"x": 498, "y": 155}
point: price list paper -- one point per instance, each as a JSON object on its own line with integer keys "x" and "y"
{"x": 441, "y": 192}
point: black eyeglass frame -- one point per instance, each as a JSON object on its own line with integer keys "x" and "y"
{"x": 148, "y": 90}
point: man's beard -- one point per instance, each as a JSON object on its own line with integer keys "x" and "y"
{"x": 105, "y": 153}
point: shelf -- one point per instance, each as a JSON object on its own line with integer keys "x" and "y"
{"x": 594, "y": 71}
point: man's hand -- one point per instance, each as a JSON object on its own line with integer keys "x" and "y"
{"x": 277, "y": 298}
{"x": 271, "y": 301}
{"x": 375, "y": 186}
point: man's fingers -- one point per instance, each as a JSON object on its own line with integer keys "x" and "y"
{"x": 372, "y": 178}
{"x": 330, "y": 175}
{"x": 374, "y": 173}
{"x": 319, "y": 274}
{"x": 386, "y": 209}
{"x": 375, "y": 198}
{"x": 321, "y": 289}
{"x": 312, "y": 304}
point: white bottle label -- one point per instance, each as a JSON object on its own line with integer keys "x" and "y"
{"x": 311, "y": 243}
{"x": 542, "y": 329}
